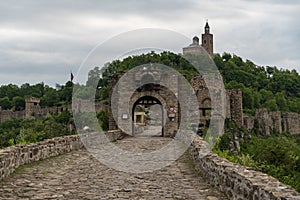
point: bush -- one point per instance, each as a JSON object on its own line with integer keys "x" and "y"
{"x": 276, "y": 155}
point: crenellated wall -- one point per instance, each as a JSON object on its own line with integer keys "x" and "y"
{"x": 238, "y": 182}
{"x": 33, "y": 109}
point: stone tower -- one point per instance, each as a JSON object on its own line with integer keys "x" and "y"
{"x": 207, "y": 40}
{"x": 32, "y": 107}
{"x": 207, "y": 44}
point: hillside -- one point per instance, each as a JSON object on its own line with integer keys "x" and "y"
{"x": 262, "y": 87}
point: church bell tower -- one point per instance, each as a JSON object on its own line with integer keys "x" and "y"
{"x": 207, "y": 40}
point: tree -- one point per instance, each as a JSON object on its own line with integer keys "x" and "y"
{"x": 5, "y": 103}
{"x": 18, "y": 103}
{"x": 248, "y": 99}
{"x": 93, "y": 77}
{"x": 265, "y": 95}
{"x": 84, "y": 92}
{"x": 256, "y": 99}
{"x": 281, "y": 101}
{"x": 226, "y": 56}
{"x": 51, "y": 98}
{"x": 66, "y": 91}
{"x": 103, "y": 119}
{"x": 63, "y": 117}
{"x": 271, "y": 105}
{"x": 270, "y": 71}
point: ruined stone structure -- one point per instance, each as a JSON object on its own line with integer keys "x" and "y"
{"x": 267, "y": 122}
{"x": 9, "y": 114}
{"x": 166, "y": 96}
{"x": 34, "y": 110}
{"x": 291, "y": 123}
{"x": 167, "y": 99}
{"x": 32, "y": 107}
{"x": 234, "y": 100}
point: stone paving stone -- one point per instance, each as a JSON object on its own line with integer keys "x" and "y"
{"x": 78, "y": 175}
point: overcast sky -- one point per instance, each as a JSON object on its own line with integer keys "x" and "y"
{"x": 42, "y": 41}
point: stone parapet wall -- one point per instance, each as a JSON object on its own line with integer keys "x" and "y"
{"x": 236, "y": 181}
{"x": 13, "y": 157}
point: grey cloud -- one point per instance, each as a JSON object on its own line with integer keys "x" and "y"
{"x": 275, "y": 1}
{"x": 44, "y": 39}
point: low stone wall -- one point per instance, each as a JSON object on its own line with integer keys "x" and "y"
{"x": 236, "y": 181}
{"x": 13, "y": 157}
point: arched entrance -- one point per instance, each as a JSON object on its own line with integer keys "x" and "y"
{"x": 147, "y": 117}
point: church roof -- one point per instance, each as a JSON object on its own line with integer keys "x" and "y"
{"x": 206, "y": 25}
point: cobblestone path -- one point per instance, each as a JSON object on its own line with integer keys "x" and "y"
{"x": 77, "y": 175}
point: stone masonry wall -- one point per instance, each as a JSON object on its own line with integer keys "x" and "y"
{"x": 236, "y": 181}
{"x": 8, "y": 114}
{"x": 236, "y": 106}
{"x": 13, "y": 157}
{"x": 234, "y": 99}
{"x": 291, "y": 122}
{"x": 36, "y": 111}
{"x": 273, "y": 121}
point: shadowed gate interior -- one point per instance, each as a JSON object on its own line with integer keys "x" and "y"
{"x": 147, "y": 117}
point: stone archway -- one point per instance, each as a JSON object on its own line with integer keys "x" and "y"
{"x": 142, "y": 117}
{"x": 167, "y": 100}
{"x": 168, "y": 87}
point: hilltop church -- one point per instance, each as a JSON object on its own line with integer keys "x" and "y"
{"x": 207, "y": 44}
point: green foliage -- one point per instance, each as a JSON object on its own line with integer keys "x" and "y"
{"x": 103, "y": 119}
{"x": 271, "y": 105}
{"x": 18, "y": 131}
{"x": 281, "y": 101}
{"x": 248, "y": 98}
{"x": 223, "y": 143}
{"x": 63, "y": 117}
{"x": 19, "y": 103}
{"x": 83, "y": 92}
{"x": 262, "y": 87}
{"x": 276, "y": 155}
{"x": 5, "y": 103}
{"x": 51, "y": 98}
{"x": 242, "y": 159}
{"x": 86, "y": 119}
{"x": 13, "y": 97}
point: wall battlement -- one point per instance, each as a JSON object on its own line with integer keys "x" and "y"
{"x": 34, "y": 110}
